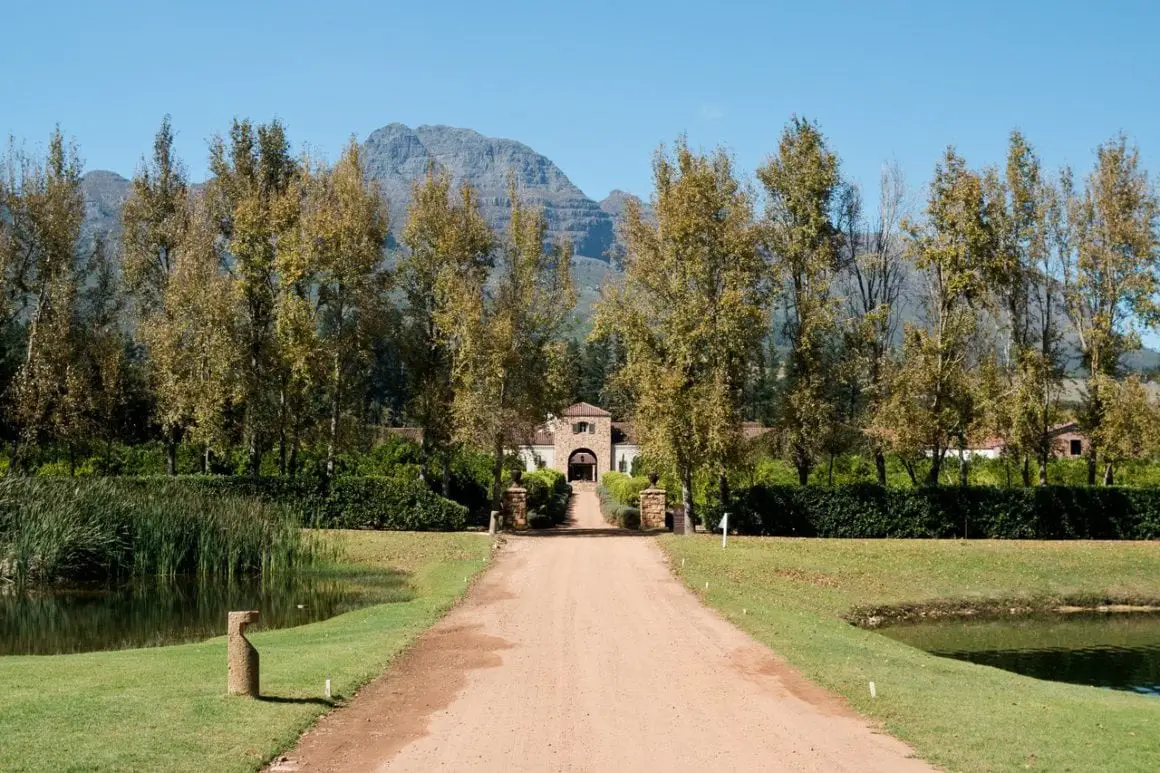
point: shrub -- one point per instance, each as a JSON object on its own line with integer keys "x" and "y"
{"x": 54, "y": 530}
{"x": 548, "y": 493}
{"x": 625, "y": 489}
{"x": 867, "y": 510}
{"x": 394, "y": 503}
{"x": 617, "y": 513}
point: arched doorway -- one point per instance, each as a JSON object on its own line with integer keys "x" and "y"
{"x": 582, "y": 465}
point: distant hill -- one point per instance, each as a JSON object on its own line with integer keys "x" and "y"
{"x": 397, "y": 155}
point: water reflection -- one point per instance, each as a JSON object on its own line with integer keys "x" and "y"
{"x": 150, "y": 615}
{"x": 1120, "y": 651}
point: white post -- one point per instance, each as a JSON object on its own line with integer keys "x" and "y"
{"x": 724, "y": 529}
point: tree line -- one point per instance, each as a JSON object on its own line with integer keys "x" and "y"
{"x": 263, "y": 310}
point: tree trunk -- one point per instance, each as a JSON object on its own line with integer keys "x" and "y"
{"x": 830, "y": 474}
{"x": 282, "y": 432}
{"x": 1026, "y": 470}
{"x": 1091, "y": 464}
{"x": 964, "y": 469}
{"x": 446, "y": 476}
{"x": 205, "y": 459}
{"x": 1109, "y": 475}
{"x": 802, "y": 464}
{"x": 880, "y": 466}
{"x": 335, "y": 397}
{"x": 497, "y": 480}
{"x": 171, "y": 453}
{"x": 935, "y": 468}
{"x": 1044, "y": 457}
{"x": 687, "y": 499}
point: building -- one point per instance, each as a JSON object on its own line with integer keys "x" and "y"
{"x": 583, "y": 442}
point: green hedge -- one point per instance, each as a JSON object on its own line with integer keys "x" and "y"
{"x": 347, "y": 503}
{"x": 625, "y": 489}
{"x": 548, "y": 493}
{"x": 865, "y": 510}
{"x": 616, "y": 512}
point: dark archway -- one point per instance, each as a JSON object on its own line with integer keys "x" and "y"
{"x": 582, "y": 465}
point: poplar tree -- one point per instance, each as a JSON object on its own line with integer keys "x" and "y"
{"x": 255, "y": 204}
{"x": 336, "y": 249}
{"x": 933, "y": 403}
{"x": 690, "y": 313}
{"x": 44, "y": 209}
{"x": 506, "y": 337}
{"x": 445, "y": 236}
{"x": 1111, "y": 273}
{"x": 801, "y": 182}
{"x": 875, "y": 272}
{"x": 155, "y": 219}
{"x": 196, "y": 346}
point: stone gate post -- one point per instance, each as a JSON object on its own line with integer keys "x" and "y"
{"x": 515, "y": 503}
{"x": 652, "y": 505}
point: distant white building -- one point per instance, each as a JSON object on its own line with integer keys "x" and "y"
{"x": 583, "y": 442}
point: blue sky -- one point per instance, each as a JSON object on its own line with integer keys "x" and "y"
{"x": 596, "y": 85}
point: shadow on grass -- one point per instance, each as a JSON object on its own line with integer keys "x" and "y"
{"x": 329, "y": 702}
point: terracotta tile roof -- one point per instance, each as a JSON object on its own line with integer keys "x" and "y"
{"x": 543, "y": 436}
{"x": 584, "y": 409}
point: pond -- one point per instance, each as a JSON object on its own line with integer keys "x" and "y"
{"x": 1117, "y": 650}
{"x": 44, "y": 622}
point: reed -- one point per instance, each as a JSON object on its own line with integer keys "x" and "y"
{"x": 88, "y": 530}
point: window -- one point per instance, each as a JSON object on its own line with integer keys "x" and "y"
{"x": 583, "y": 426}
{"x": 1076, "y": 447}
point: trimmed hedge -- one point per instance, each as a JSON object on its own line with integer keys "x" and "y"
{"x": 548, "y": 493}
{"x": 625, "y": 489}
{"x": 347, "y": 503}
{"x": 866, "y": 510}
{"x": 616, "y": 512}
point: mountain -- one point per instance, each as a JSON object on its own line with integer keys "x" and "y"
{"x": 397, "y": 155}
{"x": 104, "y": 194}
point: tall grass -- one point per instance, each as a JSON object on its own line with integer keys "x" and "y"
{"x": 69, "y": 530}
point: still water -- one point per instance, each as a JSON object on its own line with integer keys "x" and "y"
{"x": 42, "y": 622}
{"x": 1117, "y": 650}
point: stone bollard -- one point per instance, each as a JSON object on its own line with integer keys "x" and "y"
{"x": 243, "y": 658}
{"x": 652, "y": 505}
{"x": 515, "y": 503}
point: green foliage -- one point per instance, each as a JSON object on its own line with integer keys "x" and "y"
{"x": 617, "y": 513}
{"x": 54, "y": 530}
{"x": 548, "y": 493}
{"x": 625, "y": 489}
{"x": 866, "y": 510}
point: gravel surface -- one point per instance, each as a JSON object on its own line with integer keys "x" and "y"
{"x": 579, "y": 651}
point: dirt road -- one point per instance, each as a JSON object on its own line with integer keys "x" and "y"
{"x": 581, "y": 652}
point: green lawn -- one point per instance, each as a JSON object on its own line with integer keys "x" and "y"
{"x": 166, "y": 709}
{"x": 792, "y": 593}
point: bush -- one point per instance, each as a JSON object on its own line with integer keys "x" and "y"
{"x": 394, "y": 503}
{"x": 625, "y": 489}
{"x": 617, "y": 513}
{"x": 548, "y": 493}
{"x": 867, "y": 510}
{"x": 55, "y": 530}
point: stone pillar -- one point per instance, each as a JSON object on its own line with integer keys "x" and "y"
{"x": 652, "y": 505}
{"x": 515, "y": 503}
{"x": 243, "y": 658}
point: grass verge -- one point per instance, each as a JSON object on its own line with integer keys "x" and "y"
{"x": 166, "y": 708}
{"x": 792, "y": 595}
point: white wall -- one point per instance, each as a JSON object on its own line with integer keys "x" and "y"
{"x": 535, "y": 457}
{"x": 626, "y": 453}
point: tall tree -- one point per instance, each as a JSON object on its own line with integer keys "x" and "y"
{"x": 336, "y": 248}
{"x": 1025, "y": 276}
{"x": 155, "y": 219}
{"x": 256, "y": 204}
{"x": 801, "y": 182}
{"x": 1111, "y": 272}
{"x": 44, "y": 209}
{"x": 195, "y": 346}
{"x": 933, "y": 405}
{"x": 690, "y": 314}
{"x": 444, "y": 236}
{"x": 506, "y": 337}
{"x": 874, "y": 272}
